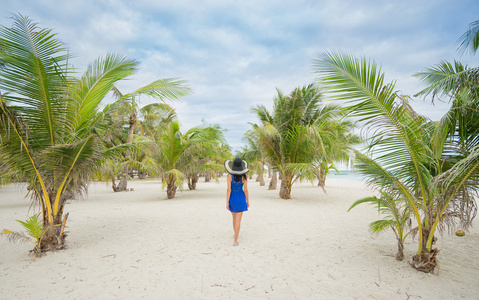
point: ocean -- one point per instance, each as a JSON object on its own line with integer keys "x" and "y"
{"x": 345, "y": 174}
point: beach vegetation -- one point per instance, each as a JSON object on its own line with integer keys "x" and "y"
{"x": 121, "y": 131}
{"x": 178, "y": 154}
{"x": 396, "y": 217}
{"x": 300, "y": 137}
{"x": 406, "y": 156}
{"x": 35, "y": 231}
{"x": 51, "y": 123}
{"x": 469, "y": 41}
{"x": 129, "y": 115}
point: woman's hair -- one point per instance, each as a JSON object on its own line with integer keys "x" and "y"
{"x": 239, "y": 177}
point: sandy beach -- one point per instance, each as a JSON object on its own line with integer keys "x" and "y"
{"x": 138, "y": 245}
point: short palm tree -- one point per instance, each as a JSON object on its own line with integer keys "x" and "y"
{"x": 176, "y": 154}
{"x": 49, "y": 120}
{"x": 292, "y": 135}
{"x": 404, "y": 155}
{"x": 285, "y": 136}
{"x": 130, "y": 114}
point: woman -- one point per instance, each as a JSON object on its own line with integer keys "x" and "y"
{"x": 237, "y": 198}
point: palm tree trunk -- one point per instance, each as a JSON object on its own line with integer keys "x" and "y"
{"x": 192, "y": 180}
{"x": 426, "y": 261}
{"x": 53, "y": 238}
{"x": 207, "y": 176}
{"x": 273, "y": 183}
{"x": 400, "y": 254}
{"x": 122, "y": 186}
{"x": 171, "y": 187}
{"x": 285, "y": 189}
{"x": 321, "y": 177}
{"x": 261, "y": 175}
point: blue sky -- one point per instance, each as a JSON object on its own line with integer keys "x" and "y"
{"x": 234, "y": 54}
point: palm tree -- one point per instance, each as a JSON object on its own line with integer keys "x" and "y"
{"x": 49, "y": 121}
{"x": 148, "y": 117}
{"x": 208, "y": 156}
{"x": 396, "y": 212}
{"x": 292, "y": 136}
{"x": 404, "y": 151}
{"x": 160, "y": 90}
{"x": 178, "y": 154}
{"x": 285, "y": 134}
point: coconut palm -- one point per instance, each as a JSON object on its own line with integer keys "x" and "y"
{"x": 49, "y": 121}
{"x": 404, "y": 153}
{"x": 130, "y": 114}
{"x": 150, "y": 116}
{"x": 293, "y": 136}
{"x": 285, "y": 135}
{"x": 35, "y": 233}
{"x": 208, "y": 157}
{"x": 394, "y": 209}
{"x": 178, "y": 154}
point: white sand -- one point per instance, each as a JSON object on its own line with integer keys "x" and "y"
{"x": 135, "y": 245}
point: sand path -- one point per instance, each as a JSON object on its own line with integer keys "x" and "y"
{"x": 136, "y": 245}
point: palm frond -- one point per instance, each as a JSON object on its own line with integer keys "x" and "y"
{"x": 164, "y": 89}
{"x": 390, "y": 121}
{"x": 97, "y": 81}
{"x": 470, "y": 39}
{"x": 34, "y": 71}
{"x": 381, "y": 225}
{"x": 447, "y": 79}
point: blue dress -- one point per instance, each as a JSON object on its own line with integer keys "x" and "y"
{"x": 237, "y": 196}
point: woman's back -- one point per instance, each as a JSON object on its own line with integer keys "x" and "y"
{"x": 236, "y": 183}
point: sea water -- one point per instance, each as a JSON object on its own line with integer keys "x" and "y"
{"x": 345, "y": 174}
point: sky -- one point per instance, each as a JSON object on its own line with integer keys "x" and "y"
{"x": 235, "y": 54}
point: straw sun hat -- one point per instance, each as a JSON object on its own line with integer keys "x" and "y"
{"x": 236, "y": 167}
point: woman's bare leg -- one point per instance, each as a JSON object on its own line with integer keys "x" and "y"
{"x": 236, "y": 225}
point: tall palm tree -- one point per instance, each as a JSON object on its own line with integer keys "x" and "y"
{"x": 49, "y": 120}
{"x": 404, "y": 151}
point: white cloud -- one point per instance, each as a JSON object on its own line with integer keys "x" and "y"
{"x": 235, "y": 53}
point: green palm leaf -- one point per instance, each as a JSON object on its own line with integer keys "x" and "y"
{"x": 97, "y": 81}
{"x": 34, "y": 63}
{"x": 448, "y": 79}
{"x": 470, "y": 39}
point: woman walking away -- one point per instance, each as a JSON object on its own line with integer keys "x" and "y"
{"x": 237, "y": 199}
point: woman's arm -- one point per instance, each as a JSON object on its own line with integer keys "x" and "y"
{"x": 245, "y": 189}
{"x": 228, "y": 191}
